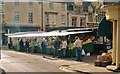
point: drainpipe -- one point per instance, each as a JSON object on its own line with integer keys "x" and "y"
{"x": 42, "y": 15}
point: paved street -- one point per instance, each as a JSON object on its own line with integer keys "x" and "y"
{"x": 13, "y": 61}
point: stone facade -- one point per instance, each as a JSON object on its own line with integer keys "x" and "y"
{"x": 54, "y": 14}
{"x": 42, "y": 14}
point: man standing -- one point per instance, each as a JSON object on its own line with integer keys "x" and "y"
{"x": 10, "y": 44}
{"x": 21, "y": 44}
{"x": 56, "y": 47}
{"x": 44, "y": 46}
{"x": 32, "y": 45}
{"x": 78, "y": 45}
{"x": 64, "y": 47}
{"x": 17, "y": 44}
{"x": 27, "y": 46}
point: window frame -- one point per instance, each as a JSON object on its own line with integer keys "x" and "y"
{"x": 74, "y": 21}
{"x": 47, "y": 19}
{"x": 2, "y": 16}
{"x": 2, "y": 2}
{"x": 63, "y": 6}
{"x": 30, "y": 17}
{"x": 51, "y": 5}
{"x": 16, "y": 3}
{"x": 17, "y": 17}
{"x": 30, "y": 3}
{"x": 63, "y": 20}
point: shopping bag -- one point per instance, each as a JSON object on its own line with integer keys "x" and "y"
{"x": 83, "y": 52}
{"x": 59, "y": 49}
{"x": 88, "y": 54}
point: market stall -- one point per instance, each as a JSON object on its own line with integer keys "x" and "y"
{"x": 71, "y": 51}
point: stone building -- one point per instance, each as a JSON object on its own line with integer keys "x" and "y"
{"x": 18, "y": 16}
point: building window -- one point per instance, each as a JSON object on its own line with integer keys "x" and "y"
{"x": 52, "y": 19}
{"x": 79, "y": 10}
{"x": 63, "y": 19}
{"x": 74, "y": 21}
{"x": 2, "y": 2}
{"x": 2, "y": 16}
{"x": 30, "y": 17}
{"x": 51, "y": 5}
{"x": 81, "y": 22}
{"x": 16, "y": 17}
{"x": 71, "y": 6}
{"x": 63, "y": 6}
{"x": 90, "y": 17}
{"x": 16, "y": 3}
{"x": 30, "y": 3}
{"x": 47, "y": 20}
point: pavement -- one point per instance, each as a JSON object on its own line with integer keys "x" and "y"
{"x": 86, "y": 67}
{"x": 37, "y": 62}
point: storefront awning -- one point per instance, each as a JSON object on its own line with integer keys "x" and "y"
{"x": 18, "y": 28}
{"x": 105, "y": 27}
{"x": 42, "y": 34}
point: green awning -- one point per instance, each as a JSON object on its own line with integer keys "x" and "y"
{"x": 105, "y": 27}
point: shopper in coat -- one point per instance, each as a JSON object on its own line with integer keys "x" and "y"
{"x": 56, "y": 47}
{"x": 78, "y": 46}
{"x": 44, "y": 46}
{"x": 32, "y": 45}
{"x": 27, "y": 46}
{"x": 21, "y": 44}
{"x": 64, "y": 48}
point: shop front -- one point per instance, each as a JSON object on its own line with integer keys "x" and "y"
{"x": 113, "y": 15}
{"x": 12, "y": 29}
